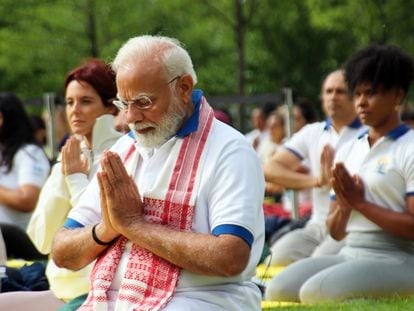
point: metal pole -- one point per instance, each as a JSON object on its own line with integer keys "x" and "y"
{"x": 49, "y": 103}
{"x": 293, "y": 197}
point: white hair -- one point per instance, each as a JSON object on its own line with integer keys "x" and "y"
{"x": 168, "y": 51}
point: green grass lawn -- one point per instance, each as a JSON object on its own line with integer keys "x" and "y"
{"x": 405, "y": 304}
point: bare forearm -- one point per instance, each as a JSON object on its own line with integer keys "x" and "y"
{"x": 287, "y": 178}
{"x": 337, "y": 221}
{"x": 204, "y": 254}
{"x": 74, "y": 248}
{"x": 396, "y": 223}
{"x": 22, "y": 199}
{"x": 273, "y": 188}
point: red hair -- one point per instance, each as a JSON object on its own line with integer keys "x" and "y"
{"x": 99, "y": 75}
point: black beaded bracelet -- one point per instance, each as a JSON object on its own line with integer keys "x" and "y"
{"x": 97, "y": 240}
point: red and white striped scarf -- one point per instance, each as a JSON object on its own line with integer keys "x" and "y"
{"x": 150, "y": 281}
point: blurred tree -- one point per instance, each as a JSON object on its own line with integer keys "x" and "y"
{"x": 238, "y": 23}
{"x": 238, "y": 46}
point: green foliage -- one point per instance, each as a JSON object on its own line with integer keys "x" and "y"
{"x": 286, "y": 43}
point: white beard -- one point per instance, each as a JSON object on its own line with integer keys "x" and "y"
{"x": 163, "y": 131}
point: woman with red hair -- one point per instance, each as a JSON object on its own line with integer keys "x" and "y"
{"x": 89, "y": 91}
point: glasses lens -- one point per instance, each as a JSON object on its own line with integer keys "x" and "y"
{"x": 143, "y": 102}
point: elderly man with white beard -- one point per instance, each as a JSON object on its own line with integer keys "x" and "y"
{"x": 174, "y": 217}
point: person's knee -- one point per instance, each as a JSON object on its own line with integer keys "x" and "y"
{"x": 282, "y": 257}
{"x": 280, "y": 289}
{"x": 320, "y": 290}
{"x": 286, "y": 251}
{"x": 310, "y": 293}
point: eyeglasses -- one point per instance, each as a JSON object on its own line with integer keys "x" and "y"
{"x": 141, "y": 102}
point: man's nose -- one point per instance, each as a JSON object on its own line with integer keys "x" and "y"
{"x": 335, "y": 94}
{"x": 134, "y": 114}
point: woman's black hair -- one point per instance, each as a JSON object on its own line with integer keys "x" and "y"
{"x": 16, "y": 129}
{"x": 385, "y": 66}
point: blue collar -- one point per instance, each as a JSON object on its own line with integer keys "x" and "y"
{"x": 191, "y": 124}
{"x": 328, "y": 124}
{"x": 398, "y": 131}
{"x": 356, "y": 124}
{"x": 394, "y": 134}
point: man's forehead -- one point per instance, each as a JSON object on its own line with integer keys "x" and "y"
{"x": 140, "y": 69}
{"x": 335, "y": 80}
{"x": 138, "y": 78}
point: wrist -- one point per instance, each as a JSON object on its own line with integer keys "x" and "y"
{"x": 98, "y": 240}
{"x": 359, "y": 206}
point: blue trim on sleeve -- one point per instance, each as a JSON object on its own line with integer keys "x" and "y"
{"x": 72, "y": 224}
{"x": 332, "y": 197}
{"x": 191, "y": 124}
{"x": 294, "y": 152}
{"x": 235, "y": 230}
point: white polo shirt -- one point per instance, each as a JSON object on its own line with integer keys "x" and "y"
{"x": 30, "y": 167}
{"x": 387, "y": 170}
{"x": 307, "y": 144}
{"x": 229, "y": 201}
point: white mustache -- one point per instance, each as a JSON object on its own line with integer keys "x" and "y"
{"x": 142, "y": 125}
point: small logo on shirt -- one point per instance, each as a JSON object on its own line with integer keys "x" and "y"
{"x": 38, "y": 170}
{"x": 382, "y": 165}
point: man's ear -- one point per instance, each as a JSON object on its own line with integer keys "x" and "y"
{"x": 185, "y": 86}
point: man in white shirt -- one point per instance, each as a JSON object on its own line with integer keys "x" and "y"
{"x": 175, "y": 215}
{"x": 314, "y": 142}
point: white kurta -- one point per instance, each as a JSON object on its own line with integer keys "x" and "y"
{"x": 230, "y": 193}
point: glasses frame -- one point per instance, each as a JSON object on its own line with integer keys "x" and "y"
{"x": 141, "y": 102}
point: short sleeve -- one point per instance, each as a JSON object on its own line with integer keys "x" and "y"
{"x": 237, "y": 191}
{"x": 408, "y": 167}
{"x": 299, "y": 143}
{"x": 32, "y": 166}
{"x": 87, "y": 211}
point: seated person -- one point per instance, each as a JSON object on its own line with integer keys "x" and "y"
{"x": 90, "y": 113}
{"x": 24, "y": 168}
{"x": 313, "y": 143}
{"x": 373, "y": 202}
{"x": 176, "y": 210}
